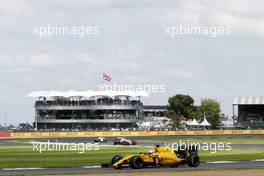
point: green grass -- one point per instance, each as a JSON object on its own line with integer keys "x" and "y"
{"x": 233, "y": 155}
{"x": 232, "y": 140}
{"x": 19, "y": 140}
{"x": 24, "y": 156}
{"x": 208, "y": 140}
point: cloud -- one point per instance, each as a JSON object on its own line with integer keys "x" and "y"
{"x": 131, "y": 47}
{"x": 42, "y": 60}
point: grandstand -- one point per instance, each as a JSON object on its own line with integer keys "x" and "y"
{"x": 86, "y": 110}
{"x": 248, "y": 112}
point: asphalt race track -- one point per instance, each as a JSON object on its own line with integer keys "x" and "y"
{"x": 7, "y": 142}
{"x": 97, "y": 169}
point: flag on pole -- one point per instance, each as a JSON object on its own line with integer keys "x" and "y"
{"x": 107, "y": 77}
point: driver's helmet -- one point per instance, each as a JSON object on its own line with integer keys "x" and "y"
{"x": 151, "y": 152}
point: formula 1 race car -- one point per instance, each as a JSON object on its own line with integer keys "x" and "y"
{"x": 124, "y": 141}
{"x": 100, "y": 139}
{"x": 161, "y": 156}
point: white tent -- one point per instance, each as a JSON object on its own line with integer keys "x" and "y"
{"x": 187, "y": 122}
{"x": 205, "y": 123}
{"x": 194, "y": 123}
{"x": 145, "y": 124}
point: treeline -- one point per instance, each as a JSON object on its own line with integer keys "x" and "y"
{"x": 181, "y": 107}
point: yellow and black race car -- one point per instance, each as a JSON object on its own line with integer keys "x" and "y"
{"x": 161, "y": 156}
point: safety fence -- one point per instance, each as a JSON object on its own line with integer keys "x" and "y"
{"x": 131, "y": 133}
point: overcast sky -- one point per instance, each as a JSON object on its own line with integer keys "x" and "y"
{"x": 132, "y": 47}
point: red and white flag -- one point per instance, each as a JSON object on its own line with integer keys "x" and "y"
{"x": 107, "y": 77}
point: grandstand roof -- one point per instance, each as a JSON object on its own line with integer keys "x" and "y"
{"x": 88, "y": 93}
{"x": 248, "y": 101}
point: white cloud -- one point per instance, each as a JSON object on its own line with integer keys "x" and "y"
{"x": 131, "y": 47}
{"x": 41, "y": 60}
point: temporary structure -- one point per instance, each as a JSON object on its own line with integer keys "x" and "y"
{"x": 205, "y": 123}
{"x": 194, "y": 123}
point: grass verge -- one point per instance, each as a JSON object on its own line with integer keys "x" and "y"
{"x": 24, "y": 156}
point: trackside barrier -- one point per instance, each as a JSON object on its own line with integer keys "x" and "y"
{"x": 3, "y": 134}
{"x": 132, "y": 133}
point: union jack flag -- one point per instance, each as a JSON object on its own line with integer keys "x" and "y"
{"x": 106, "y": 77}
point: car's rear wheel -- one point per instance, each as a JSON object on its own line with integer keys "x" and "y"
{"x": 194, "y": 161}
{"x": 137, "y": 162}
{"x": 125, "y": 143}
{"x": 115, "y": 159}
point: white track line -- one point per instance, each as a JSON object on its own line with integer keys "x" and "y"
{"x": 90, "y": 167}
{"x": 222, "y": 162}
{"x": 30, "y": 168}
{"x": 258, "y": 160}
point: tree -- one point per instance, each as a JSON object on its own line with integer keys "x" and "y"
{"x": 212, "y": 111}
{"x": 181, "y": 105}
{"x": 175, "y": 119}
{"x": 25, "y": 126}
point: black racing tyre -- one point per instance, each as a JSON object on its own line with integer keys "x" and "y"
{"x": 134, "y": 143}
{"x": 115, "y": 159}
{"x": 193, "y": 160}
{"x": 105, "y": 165}
{"x": 137, "y": 162}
